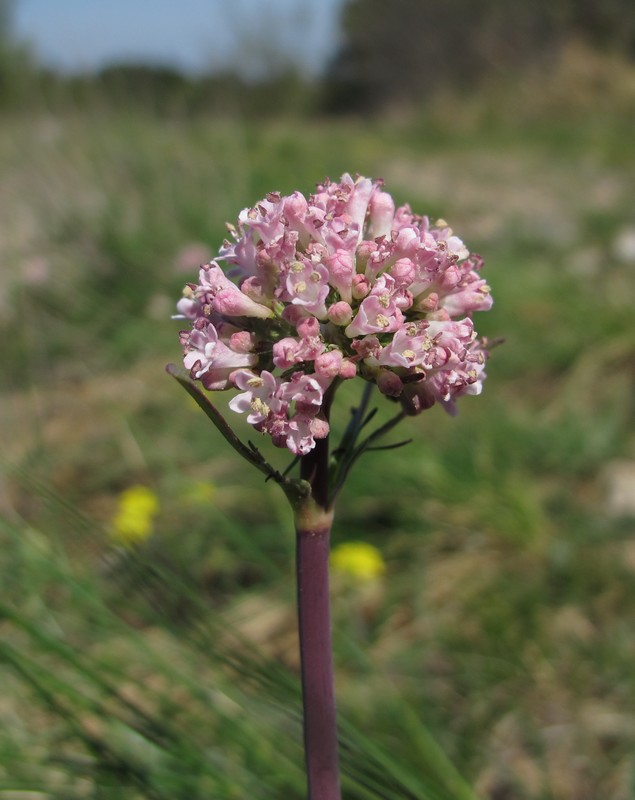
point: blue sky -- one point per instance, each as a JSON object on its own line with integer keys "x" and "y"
{"x": 195, "y": 35}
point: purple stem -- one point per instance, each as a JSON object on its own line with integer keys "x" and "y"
{"x": 313, "y": 529}
{"x": 316, "y": 658}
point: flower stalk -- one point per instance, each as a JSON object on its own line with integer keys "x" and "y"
{"x": 313, "y": 528}
{"x": 313, "y": 531}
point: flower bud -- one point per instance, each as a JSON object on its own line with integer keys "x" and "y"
{"x": 417, "y": 397}
{"x": 451, "y": 278}
{"x": 364, "y": 251}
{"x": 340, "y": 313}
{"x": 294, "y": 315}
{"x": 382, "y": 213}
{"x": 389, "y": 383}
{"x": 234, "y": 303}
{"x": 327, "y": 365}
{"x": 403, "y": 271}
{"x": 428, "y": 303}
{"x": 319, "y": 428}
{"x": 341, "y": 267}
{"x": 308, "y": 326}
{"x": 348, "y": 369}
{"x": 241, "y": 342}
{"x": 361, "y": 286}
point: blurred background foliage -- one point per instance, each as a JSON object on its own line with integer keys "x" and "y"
{"x": 147, "y": 633}
{"x": 410, "y": 49}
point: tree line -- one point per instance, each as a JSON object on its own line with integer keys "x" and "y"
{"x": 401, "y": 51}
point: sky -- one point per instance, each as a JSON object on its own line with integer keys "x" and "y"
{"x": 193, "y": 35}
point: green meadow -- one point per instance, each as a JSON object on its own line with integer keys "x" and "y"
{"x": 494, "y": 656}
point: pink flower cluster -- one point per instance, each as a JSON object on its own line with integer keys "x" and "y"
{"x": 319, "y": 290}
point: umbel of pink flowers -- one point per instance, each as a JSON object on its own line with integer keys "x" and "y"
{"x": 310, "y": 291}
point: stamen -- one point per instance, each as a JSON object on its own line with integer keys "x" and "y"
{"x": 259, "y": 406}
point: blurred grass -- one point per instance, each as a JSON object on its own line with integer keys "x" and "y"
{"x": 501, "y": 634}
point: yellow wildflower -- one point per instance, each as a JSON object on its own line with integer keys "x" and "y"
{"x": 359, "y": 560}
{"x": 135, "y": 514}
